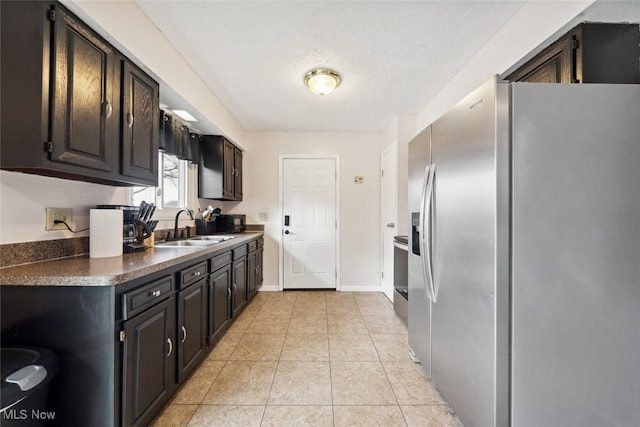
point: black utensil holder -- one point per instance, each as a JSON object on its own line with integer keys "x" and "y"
{"x": 205, "y": 227}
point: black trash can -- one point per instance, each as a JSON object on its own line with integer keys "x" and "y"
{"x": 24, "y": 391}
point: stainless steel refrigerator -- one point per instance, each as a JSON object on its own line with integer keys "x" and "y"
{"x": 527, "y": 220}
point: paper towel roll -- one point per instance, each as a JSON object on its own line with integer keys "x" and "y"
{"x": 105, "y": 234}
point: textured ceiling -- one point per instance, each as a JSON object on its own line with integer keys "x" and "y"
{"x": 393, "y": 56}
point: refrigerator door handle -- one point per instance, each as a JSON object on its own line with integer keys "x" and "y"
{"x": 425, "y": 230}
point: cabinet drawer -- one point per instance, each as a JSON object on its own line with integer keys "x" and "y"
{"x": 144, "y": 297}
{"x": 239, "y": 252}
{"x": 253, "y": 245}
{"x": 260, "y": 242}
{"x": 220, "y": 261}
{"x": 192, "y": 274}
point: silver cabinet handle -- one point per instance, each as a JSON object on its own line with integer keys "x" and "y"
{"x": 390, "y": 225}
{"x": 196, "y": 273}
{"x": 155, "y": 293}
{"x": 229, "y": 291}
{"x": 108, "y": 109}
{"x": 170, "y": 347}
{"x": 129, "y": 119}
{"x": 235, "y": 288}
{"x": 184, "y": 331}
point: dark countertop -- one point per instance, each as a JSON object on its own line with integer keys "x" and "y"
{"x": 85, "y": 271}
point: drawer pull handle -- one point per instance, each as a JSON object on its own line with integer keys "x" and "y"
{"x": 196, "y": 273}
{"x": 155, "y": 293}
{"x": 170, "y": 347}
{"x": 184, "y": 331}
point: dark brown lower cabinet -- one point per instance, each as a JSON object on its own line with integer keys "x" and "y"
{"x": 252, "y": 274}
{"x": 259, "y": 264}
{"x": 254, "y": 268}
{"x": 219, "y": 302}
{"x": 192, "y": 327}
{"x": 148, "y": 374}
{"x": 239, "y": 286}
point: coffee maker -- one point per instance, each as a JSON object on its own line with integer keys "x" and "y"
{"x": 134, "y": 230}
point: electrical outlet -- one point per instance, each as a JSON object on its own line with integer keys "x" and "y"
{"x": 62, "y": 214}
{"x": 263, "y": 216}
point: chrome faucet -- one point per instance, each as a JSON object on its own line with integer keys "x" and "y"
{"x": 175, "y": 228}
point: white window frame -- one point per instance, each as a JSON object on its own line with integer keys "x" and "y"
{"x": 188, "y": 177}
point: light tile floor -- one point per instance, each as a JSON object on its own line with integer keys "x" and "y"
{"x": 310, "y": 358}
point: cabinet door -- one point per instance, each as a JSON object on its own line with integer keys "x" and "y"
{"x": 239, "y": 286}
{"x": 219, "y": 302}
{"x": 84, "y": 116}
{"x": 229, "y": 170}
{"x": 259, "y": 264}
{"x": 192, "y": 324}
{"x": 148, "y": 363}
{"x": 553, "y": 65}
{"x": 139, "y": 131}
{"x": 252, "y": 275}
{"x": 238, "y": 173}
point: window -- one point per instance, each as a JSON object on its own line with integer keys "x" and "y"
{"x": 172, "y": 189}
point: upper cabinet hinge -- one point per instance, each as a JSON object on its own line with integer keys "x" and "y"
{"x": 48, "y": 146}
{"x": 575, "y": 44}
{"x": 123, "y": 336}
{"x": 51, "y": 15}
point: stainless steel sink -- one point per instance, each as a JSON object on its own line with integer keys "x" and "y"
{"x": 186, "y": 243}
{"x": 214, "y": 238}
{"x": 194, "y": 242}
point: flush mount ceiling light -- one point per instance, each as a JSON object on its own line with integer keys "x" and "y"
{"x": 322, "y": 81}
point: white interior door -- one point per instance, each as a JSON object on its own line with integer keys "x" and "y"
{"x": 389, "y": 199}
{"x": 309, "y": 223}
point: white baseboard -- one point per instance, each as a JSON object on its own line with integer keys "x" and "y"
{"x": 361, "y": 288}
{"x": 276, "y": 288}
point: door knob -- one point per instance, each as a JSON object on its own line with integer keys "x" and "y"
{"x": 391, "y": 225}
{"x": 287, "y": 232}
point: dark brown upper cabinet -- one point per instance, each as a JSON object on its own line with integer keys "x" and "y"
{"x": 219, "y": 169}
{"x": 140, "y": 135}
{"x": 62, "y": 98}
{"x": 589, "y": 53}
{"x": 82, "y": 117}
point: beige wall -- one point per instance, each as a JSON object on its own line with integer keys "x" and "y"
{"x": 24, "y": 197}
{"x": 359, "y": 219}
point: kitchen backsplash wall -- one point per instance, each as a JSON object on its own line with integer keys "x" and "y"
{"x": 24, "y": 197}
